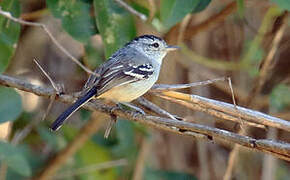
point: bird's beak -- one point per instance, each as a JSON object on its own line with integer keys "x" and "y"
{"x": 172, "y": 48}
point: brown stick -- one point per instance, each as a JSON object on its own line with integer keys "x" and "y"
{"x": 279, "y": 149}
{"x": 209, "y": 23}
{"x": 257, "y": 89}
{"x": 84, "y": 134}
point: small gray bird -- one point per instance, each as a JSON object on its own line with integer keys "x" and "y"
{"x": 126, "y": 75}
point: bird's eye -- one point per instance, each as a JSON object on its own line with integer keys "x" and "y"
{"x": 156, "y": 45}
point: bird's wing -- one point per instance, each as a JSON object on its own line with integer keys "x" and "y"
{"x": 119, "y": 72}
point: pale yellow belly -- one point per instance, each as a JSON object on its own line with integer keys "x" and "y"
{"x": 128, "y": 92}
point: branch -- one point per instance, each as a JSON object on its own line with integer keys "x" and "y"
{"x": 229, "y": 109}
{"x": 205, "y": 25}
{"x": 266, "y": 67}
{"x": 131, "y": 10}
{"x": 278, "y": 149}
{"x": 44, "y": 27}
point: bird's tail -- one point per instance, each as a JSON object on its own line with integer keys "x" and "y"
{"x": 69, "y": 111}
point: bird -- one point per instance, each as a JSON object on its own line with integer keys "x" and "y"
{"x": 128, "y": 74}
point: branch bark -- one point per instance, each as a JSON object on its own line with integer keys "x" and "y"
{"x": 278, "y": 149}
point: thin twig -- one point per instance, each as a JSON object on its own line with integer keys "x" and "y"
{"x": 210, "y": 111}
{"x": 234, "y": 102}
{"x": 207, "y": 24}
{"x": 183, "y": 25}
{"x": 141, "y": 159}
{"x": 131, "y": 10}
{"x": 44, "y": 27}
{"x": 61, "y": 157}
{"x": 170, "y": 87}
{"x": 154, "y": 108}
{"x": 246, "y": 114}
{"x": 267, "y": 63}
{"x": 48, "y": 77}
{"x": 56, "y": 88}
{"x": 278, "y": 149}
{"x": 261, "y": 79}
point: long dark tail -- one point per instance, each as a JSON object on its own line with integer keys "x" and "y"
{"x": 69, "y": 111}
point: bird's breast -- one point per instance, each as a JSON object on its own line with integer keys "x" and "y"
{"x": 129, "y": 92}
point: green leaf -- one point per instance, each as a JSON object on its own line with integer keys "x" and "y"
{"x": 173, "y": 11}
{"x": 152, "y": 174}
{"x": 75, "y": 17}
{"x": 91, "y": 154}
{"x": 241, "y": 7}
{"x": 280, "y": 97}
{"x": 283, "y": 4}
{"x": 14, "y": 159}
{"x": 126, "y": 138}
{"x": 92, "y": 56}
{"x": 9, "y": 32}
{"x": 100, "y": 155}
{"x": 202, "y": 4}
{"x": 52, "y": 139}
{"x": 255, "y": 58}
{"x": 10, "y": 104}
{"x": 115, "y": 24}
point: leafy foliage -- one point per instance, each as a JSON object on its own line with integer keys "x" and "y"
{"x": 14, "y": 158}
{"x": 9, "y": 32}
{"x": 116, "y": 25}
{"x": 283, "y": 4}
{"x": 153, "y": 174}
{"x": 10, "y": 104}
{"x": 280, "y": 97}
{"x": 173, "y": 11}
{"x": 75, "y": 17}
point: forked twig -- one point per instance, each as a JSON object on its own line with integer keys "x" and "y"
{"x": 131, "y": 10}
{"x": 48, "y": 77}
{"x": 234, "y": 102}
{"x": 156, "y": 109}
{"x": 54, "y": 85}
{"x": 170, "y": 87}
{"x": 44, "y": 27}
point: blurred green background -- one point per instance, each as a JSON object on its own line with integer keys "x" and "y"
{"x": 218, "y": 38}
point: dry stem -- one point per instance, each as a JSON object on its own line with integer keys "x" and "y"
{"x": 44, "y": 27}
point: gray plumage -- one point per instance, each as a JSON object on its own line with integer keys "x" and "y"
{"x": 126, "y": 75}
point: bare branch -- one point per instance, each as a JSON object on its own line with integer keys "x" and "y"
{"x": 170, "y": 87}
{"x": 131, "y": 10}
{"x": 47, "y": 76}
{"x": 218, "y": 114}
{"x": 265, "y": 70}
{"x": 278, "y": 149}
{"x": 153, "y": 107}
{"x": 44, "y": 27}
{"x": 246, "y": 114}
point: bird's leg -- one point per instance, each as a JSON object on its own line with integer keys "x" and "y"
{"x": 131, "y": 107}
{"x": 112, "y": 122}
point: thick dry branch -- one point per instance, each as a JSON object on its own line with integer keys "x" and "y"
{"x": 244, "y": 113}
{"x": 218, "y": 114}
{"x": 278, "y": 149}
